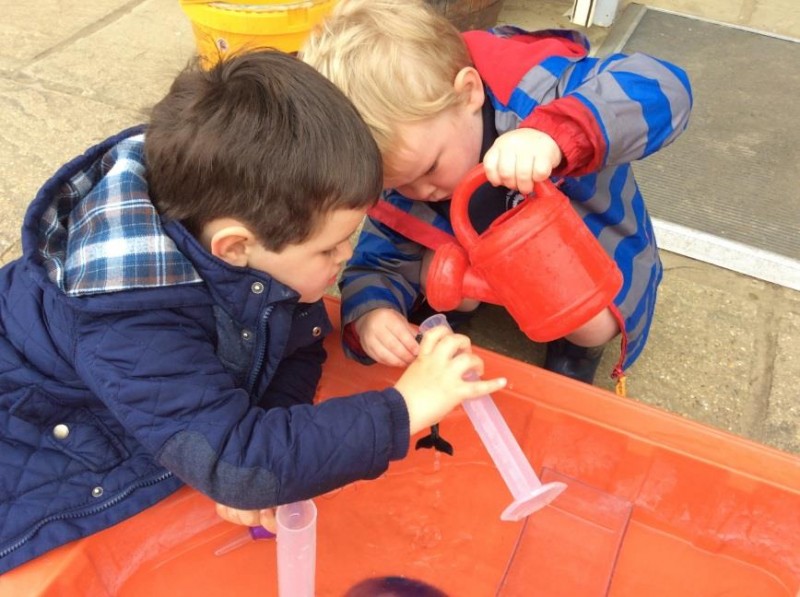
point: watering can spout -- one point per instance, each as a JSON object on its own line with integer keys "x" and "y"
{"x": 451, "y": 279}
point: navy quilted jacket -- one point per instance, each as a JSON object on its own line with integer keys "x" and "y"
{"x": 132, "y": 361}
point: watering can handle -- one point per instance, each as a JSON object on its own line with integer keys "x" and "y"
{"x": 463, "y": 193}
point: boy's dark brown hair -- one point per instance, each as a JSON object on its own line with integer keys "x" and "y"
{"x": 262, "y": 138}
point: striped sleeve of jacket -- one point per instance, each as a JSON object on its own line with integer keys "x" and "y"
{"x": 384, "y": 271}
{"x": 621, "y": 108}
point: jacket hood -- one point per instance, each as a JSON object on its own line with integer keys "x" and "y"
{"x": 97, "y": 230}
{"x": 508, "y": 53}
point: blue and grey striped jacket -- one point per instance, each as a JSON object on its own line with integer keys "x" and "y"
{"x": 604, "y": 114}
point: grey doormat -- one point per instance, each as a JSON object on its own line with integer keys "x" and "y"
{"x": 728, "y": 190}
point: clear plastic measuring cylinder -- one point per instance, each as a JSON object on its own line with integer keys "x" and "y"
{"x": 529, "y": 493}
{"x": 297, "y": 548}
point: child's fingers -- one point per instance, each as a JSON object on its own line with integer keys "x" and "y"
{"x": 525, "y": 173}
{"x": 386, "y": 356}
{"x": 484, "y": 387}
{"x": 399, "y": 349}
{"x": 507, "y": 168}
{"x": 455, "y": 344}
{"x": 447, "y": 347}
{"x": 386, "y": 348}
{"x": 244, "y": 517}
{"x": 471, "y": 364}
{"x": 490, "y": 166}
{"x": 267, "y": 520}
{"x": 541, "y": 170}
{"x": 406, "y": 339}
{"x": 431, "y": 339}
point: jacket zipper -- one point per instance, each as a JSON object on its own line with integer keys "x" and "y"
{"x": 262, "y": 349}
{"x": 85, "y": 512}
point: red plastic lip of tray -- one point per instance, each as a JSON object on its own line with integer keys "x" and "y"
{"x": 649, "y": 494}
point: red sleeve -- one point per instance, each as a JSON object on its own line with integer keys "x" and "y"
{"x": 574, "y": 128}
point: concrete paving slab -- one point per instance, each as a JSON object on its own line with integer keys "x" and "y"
{"x": 775, "y": 16}
{"x": 698, "y": 361}
{"x": 782, "y": 425}
{"x": 71, "y": 81}
{"x": 30, "y": 29}
{"x": 40, "y": 129}
{"x": 127, "y": 60}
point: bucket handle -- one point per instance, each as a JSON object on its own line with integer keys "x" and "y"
{"x": 463, "y": 193}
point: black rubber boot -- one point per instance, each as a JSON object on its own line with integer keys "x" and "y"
{"x": 571, "y": 360}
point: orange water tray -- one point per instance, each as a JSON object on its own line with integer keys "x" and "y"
{"x": 655, "y": 505}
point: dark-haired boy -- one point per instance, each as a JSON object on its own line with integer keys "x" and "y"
{"x": 164, "y": 324}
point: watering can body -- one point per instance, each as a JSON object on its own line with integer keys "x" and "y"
{"x": 538, "y": 260}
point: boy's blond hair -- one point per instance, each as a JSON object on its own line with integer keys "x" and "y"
{"x": 396, "y": 60}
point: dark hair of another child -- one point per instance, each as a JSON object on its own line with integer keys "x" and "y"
{"x": 393, "y": 586}
{"x": 263, "y": 138}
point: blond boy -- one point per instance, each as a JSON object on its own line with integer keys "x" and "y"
{"x": 529, "y": 106}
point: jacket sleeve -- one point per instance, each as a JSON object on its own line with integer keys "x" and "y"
{"x": 628, "y": 107}
{"x": 158, "y": 373}
{"x": 384, "y": 271}
{"x": 296, "y": 378}
{"x": 609, "y": 112}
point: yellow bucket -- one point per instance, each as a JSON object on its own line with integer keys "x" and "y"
{"x": 223, "y": 28}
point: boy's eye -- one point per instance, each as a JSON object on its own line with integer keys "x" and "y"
{"x": 432, "y": 168}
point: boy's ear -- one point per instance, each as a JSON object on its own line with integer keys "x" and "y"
{"x": 469, "y": 85}
{"x": 232, "y": 244}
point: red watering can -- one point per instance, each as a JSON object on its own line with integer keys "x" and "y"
{"x": 538, "y": 260}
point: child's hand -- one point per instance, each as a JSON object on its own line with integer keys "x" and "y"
{"x": 434, "y": 384}
{"x": 520, "y": 157}
{"x": 250, "y": 518}
{"x": 387, "y": 337}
